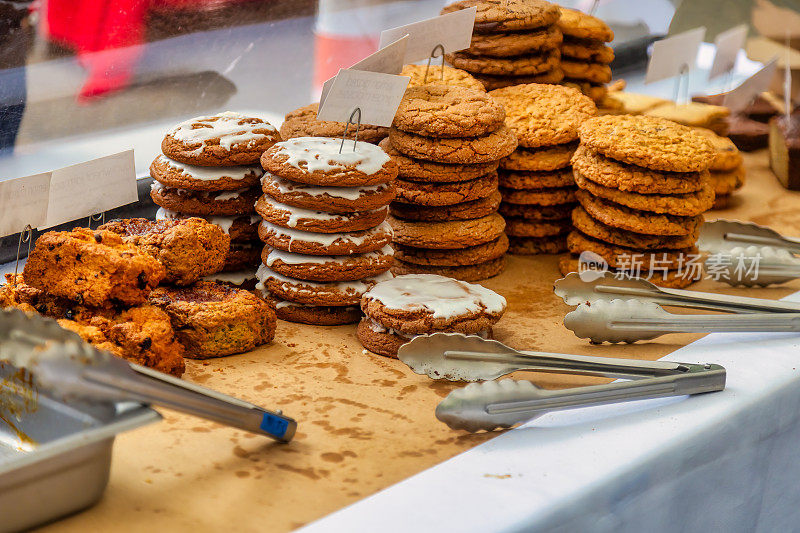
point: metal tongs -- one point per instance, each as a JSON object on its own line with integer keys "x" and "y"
{"x": 62, "y": 363}
{"x": 492, "y": 404}
{"x": 743, "y": 253}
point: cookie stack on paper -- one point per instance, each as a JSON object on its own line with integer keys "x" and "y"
{"x": 536, "y": 181}
{"x": 727, "y": 169}
{"x": 327, "y": 241}
{"x": 209, "y": 169}
{"x": 644, "y": 186}
{"x": 585, "y": 57}
{"x": 513, "y": 41}
{"x": 447, "y": 142}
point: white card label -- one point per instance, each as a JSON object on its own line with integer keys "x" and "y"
{"x": 728, "y": 44}
{"x": 673, "y": 54}
{"x": 92, "y": 187}
{"x": 377, "y": 95}
{"x": 23, "y": 201}
{"x": 740, "y": 97}
{"x": 453, "y": 31}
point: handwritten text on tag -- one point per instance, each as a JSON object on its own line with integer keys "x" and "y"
{"x": 453, "y": 31}
{"x": 377, "y": 95}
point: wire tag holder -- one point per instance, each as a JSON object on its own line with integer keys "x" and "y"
{"x": 436, "y": 49}
{"x": 682, "y": 82}
{"x": 595, "y": 5}
{"x": 97, "y": 217}
{"x": 347, "y": 127}
{"x": 26, "y": 235}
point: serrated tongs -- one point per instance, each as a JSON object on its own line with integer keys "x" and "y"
{"x": 504, "y": 403}
{"x": 743, "y": 253}
{"x": 63, "y": 364}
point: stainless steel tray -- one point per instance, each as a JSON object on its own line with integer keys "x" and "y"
{"x": 66, "y": 468}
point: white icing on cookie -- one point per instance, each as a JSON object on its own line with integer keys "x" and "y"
{"x": 321, "y": 154}
{"x": 327, "y": 239}
{"x": 440, "y": 296}
{"x": 226, "y": 128}
{"x": 225, "y": 223}
{"x": 291, "y": 258}
{"x": 348, "y": 288}
{"x": 377, "y": 327}
{"x": 298, "y": 213}
{"x": 215, "y": 196}
{"x": 237, "y": 278}
{"x": 285, "y": 186}
{"x": 210, "y": 173}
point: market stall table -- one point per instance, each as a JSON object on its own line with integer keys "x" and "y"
{"x": 366, "y": 422}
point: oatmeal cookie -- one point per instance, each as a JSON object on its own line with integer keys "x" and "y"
{"x": 476, "y": 272}
{"x": 467, "y": 150}
{"x": 537, "y": 212}
{"x": 438, "y": 76}
{"x": 430, "y": 171}
{"x": 540, "y": 197}
{"x": 462, "y": 211}
{"x": 302, "y": 122}
{"x": 447, "y": 235}
{"x": 471, "y": 255}
{"x": 640, "y": 241}
{"x": 514, "y": 44}
{"x": 492, "y": 82}
{"x": 728, "y": 182}
{"x": 574, "y": 23}
{"x": 439, "y": 194}
{"x": 506, "y": 66}
{"x": 545, "y": 158}
{"x": 591, "y": 51}
{"x": 586, "y": 71}
{"x": 495, "y": 16}
{"x": 536, "y": 180}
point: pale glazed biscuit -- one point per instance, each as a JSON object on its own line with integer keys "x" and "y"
{"x": 586, "y": 71}
{"x": 537, "y": 245}
{"x": 317, "y": 161}
{"x": 240, "y": 228}
{"x": 542, "y": 197}
{"x": 728, "y": 182}
{"x": 514, "y": 44}
{"x": 581, "y": 25}
{"x": 674, "y": 279}
{"x": 435, "y": 75}
{"x": 226, "y": 139}
{"x": 423, "y": 303}
{"x": 727, "y": 156}
{"x": 492, "y": 82}
{"x": 543, "y": 115}
{"x": 300, "y": 218}
{"x": 422, "y": 170}
{"x": 302, "y": 122}
{"x": 181, "y": 176}
{"x": 449, "y": 234}
{"x": 522, "y": 227}
{"x": 448, "y": 111}
{"x": 508, "y": 15}
{"x": 620, "y": 256}
{"x": 625, "y": 177}
{"x": 467, "y": 150}
{"x": 602, "y": 232}
{"x": 476, "y": 272}
{"x": 688, "y": 204}
{"x": 649, "y": 142}
{"x": 328, "y": 268}
{"x": 536, "y": 180}
{"x": 585, "y": 50}
{"x": 317, "y": 315}
{"x": 470, "y": 255}
{"x": 327, "y": 199}
{"x": 439, "y": 194}
{"x": 507, "y": 66}
{"x": 537, "y": 212}
{"x": 204, "y": 203}
{"x": 339, "y": 293}
{"x": 619, "y": 216}
{"x": 545, "y": 158}
{"x": 463, "y": 211}
{"x": 306, "y": 242}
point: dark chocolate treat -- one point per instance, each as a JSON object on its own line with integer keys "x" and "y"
{"x": 760, "y": 109}
{"x": 748, "y": 134}
{"x": 784, "y": 150}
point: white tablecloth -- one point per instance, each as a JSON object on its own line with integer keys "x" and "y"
{"x": 722, "y": 461}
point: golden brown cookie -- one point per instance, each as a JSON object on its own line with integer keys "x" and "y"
{"x": 721, "y": 201}
{"x": 476, "y": 272}
{"x": 622, "y": 217}
{"x": 302, "y": 122}
{"x": 318, "y": 315}
{"x": 543, "y": 115}
{"x": 448, "y": 111}
{"x": 586, "y": 71}
{"x": 602, "y": 232}
{"x": 506, "y": 66}
{"x": 673, "y": 279}
{"x": 727, "y": 156}
{"x": 523, "y": 227}
{"x": 181, "y": 176}
{"x": 649, "y": 142}
{"x": 514, "y": 44}
{"x": 586, "y": 50}
{"x": 328, "y": 199}
{"x": 242, "y": 256}
{"x": 439, "y": 194}
{"x": 621, "y": 257}
{"x": 328, "y": 268}
{"x": 596, "y": 91}
{"x": 580, "y": 25}
{"x": 537, "y": 212}
{"x": 462, "y": 211}
{"x": 447, "y": 235}
{"x": 634, "y": 103}
{"x": 317, "y": 161}
{"x": 205, "y": 203}
{"x": 336, "y": 293}
{"x": 688, "y": 204}
{"x": 430, "y": 171}
{"x": 507, "y": 15}
{"x": 536, "y": 180}
{"x": 625, "y": 177}
{"x": 306, "y": 242}
{"x": 300, "y": 218}
{"x": 694, "y": 114}
{"x": 438, "y": 76}
{"x": 239, "y": 228}
{"x": 379, "y": 339}
{"x": 491, "y": 82}
{"x": 537, "y": 245}
{"x": 728, "y": 182}
{"x": 541, "y": 197}
{"x": 226, "y": 139}
{"x": 545, "y": 158}
{"x": 470, "y": 255}
{"x": 467, "y": 150}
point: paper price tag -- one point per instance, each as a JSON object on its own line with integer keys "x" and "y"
{"x": 728, "y": 44}
{"x": 672, "y": 54}
{"x": 740, "y": 97}
{"x": 92, "y": 187}
{"x": 453, "y": 31}
{"x": 23, "y": 201}
{"x": 388, "y": 60}
{"x": 377, "y": 95}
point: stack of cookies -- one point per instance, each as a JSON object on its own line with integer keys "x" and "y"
{"x": 536, "y": 181}
{"x": 209, "y": 168}
{"x": 727, "y": 168}
{"x": 327, "y": 241}
{"x": 447, "y": 142}
{"x": 644, "y": 185}
{"x": 514, "y": 41}
{"x": 302, "y": 122}
{"x": 440, "y": 75}
{"x": 585, "y": 57}
{"x": 695, "y": 115}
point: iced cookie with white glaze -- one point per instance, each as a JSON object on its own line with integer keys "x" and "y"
{"x": 204, "y": 203}
{"x": 225, "y": 139}
{"x": 319, "y": 161}
{"x": 196, "y": 178}
{"x": 306, "y": 242}
{"x": 338, "y": 293}
{"x": 328, "y": 199}
{"x": 328, "y": 268}
{"x": 317, "y": 315}
{"x": 289, "y": 216}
